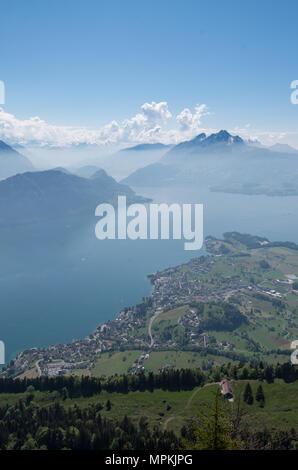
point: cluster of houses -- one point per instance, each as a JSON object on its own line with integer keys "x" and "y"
{"x": 138, "y": 367}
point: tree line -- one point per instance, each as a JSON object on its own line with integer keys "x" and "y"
{"x": 171, "y": 380}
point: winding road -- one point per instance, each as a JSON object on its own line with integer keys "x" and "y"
{"x": 38, "y": 368}
{"x": 150, "y": 327}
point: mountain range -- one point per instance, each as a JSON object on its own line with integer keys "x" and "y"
{"x": 223, "y": 162}
{"x": 220, "y": 162}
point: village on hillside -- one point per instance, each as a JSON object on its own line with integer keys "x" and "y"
{"x": 221, "y": 291}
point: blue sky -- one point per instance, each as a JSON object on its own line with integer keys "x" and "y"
{"x": 87, "y": 63}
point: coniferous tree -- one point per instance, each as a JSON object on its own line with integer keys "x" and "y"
{"x": 260, "y": 397}
{"x": 108, "y": 405}
{"x": 214, "y": 429}
{"x": 268, "y": 374}
{"x": 248, "y": 396}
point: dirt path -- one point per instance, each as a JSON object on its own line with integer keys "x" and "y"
{"x": 164, "y": 425}
{"x": 168, "y": 420}
{"x": 188, "y": 403}
{"x": 191, "y": 397}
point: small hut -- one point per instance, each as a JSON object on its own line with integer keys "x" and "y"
{"x": 226, "y": 389}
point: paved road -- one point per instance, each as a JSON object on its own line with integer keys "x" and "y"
{"x": 150, "y": 326}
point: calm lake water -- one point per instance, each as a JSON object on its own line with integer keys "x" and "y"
{"x": 59, "y": 285}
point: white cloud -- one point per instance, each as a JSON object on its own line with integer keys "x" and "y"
{"x": 149, "y": 125}
{"x": 154, "y": 123}
{"x": 35, "y": 130}
{"x": 190, "y": 122}
{"x": 154, "y": 112}
{"x": 265, "y": 136}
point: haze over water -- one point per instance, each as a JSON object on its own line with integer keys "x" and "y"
{"x": 58, "y": 286}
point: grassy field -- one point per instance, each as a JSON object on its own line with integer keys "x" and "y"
{"x": 29, "y": 374}
{"x": 281, "y": 405}
{"x": 115, "y": 363}
{"x": 172, "y": 410}
{"x": 181, "y": 360}
{"x": 173, "y": 315}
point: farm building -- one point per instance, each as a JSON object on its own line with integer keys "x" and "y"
{"x": 226, "y": 389}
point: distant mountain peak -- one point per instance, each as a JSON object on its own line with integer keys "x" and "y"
{"x": 100, "y": 173}
{"x": 199, "y": 137}
{"x": 223, "y": 136}
{"x": 201, "y": 142}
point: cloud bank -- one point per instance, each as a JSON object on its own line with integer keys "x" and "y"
{"x": 151, "y": 124}
{"x": 154, "y": 123}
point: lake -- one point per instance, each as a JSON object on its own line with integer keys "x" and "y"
{"x": 57, "y": 285}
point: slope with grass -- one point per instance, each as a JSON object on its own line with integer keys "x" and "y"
{"x": 173, "y": 409}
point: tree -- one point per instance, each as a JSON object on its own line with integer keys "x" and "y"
{"x": 214, "y": 430}
{"x": 260, "y": 397}
{"x": 108, "y": 405}
{"x": 30, "y": 444}
{"x": 244, "y": 374}
{"x": 248, "y": 396}
{"x": 268, "y": 373}
{"x": 64, "y": 393}
{"x": 264, "y": 264}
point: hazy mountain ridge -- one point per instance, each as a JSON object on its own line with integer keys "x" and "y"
{"x": 285, "y": 148}
{"x": 223, "y": 162}
{"x": 40, "y": 195}
{"x": 142, "y": 147}
{"x": 12, "y": 162}
{"x": 201, "y": 143}
{"x": 124, "y": 162}
{"x": 86, "y": 171}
